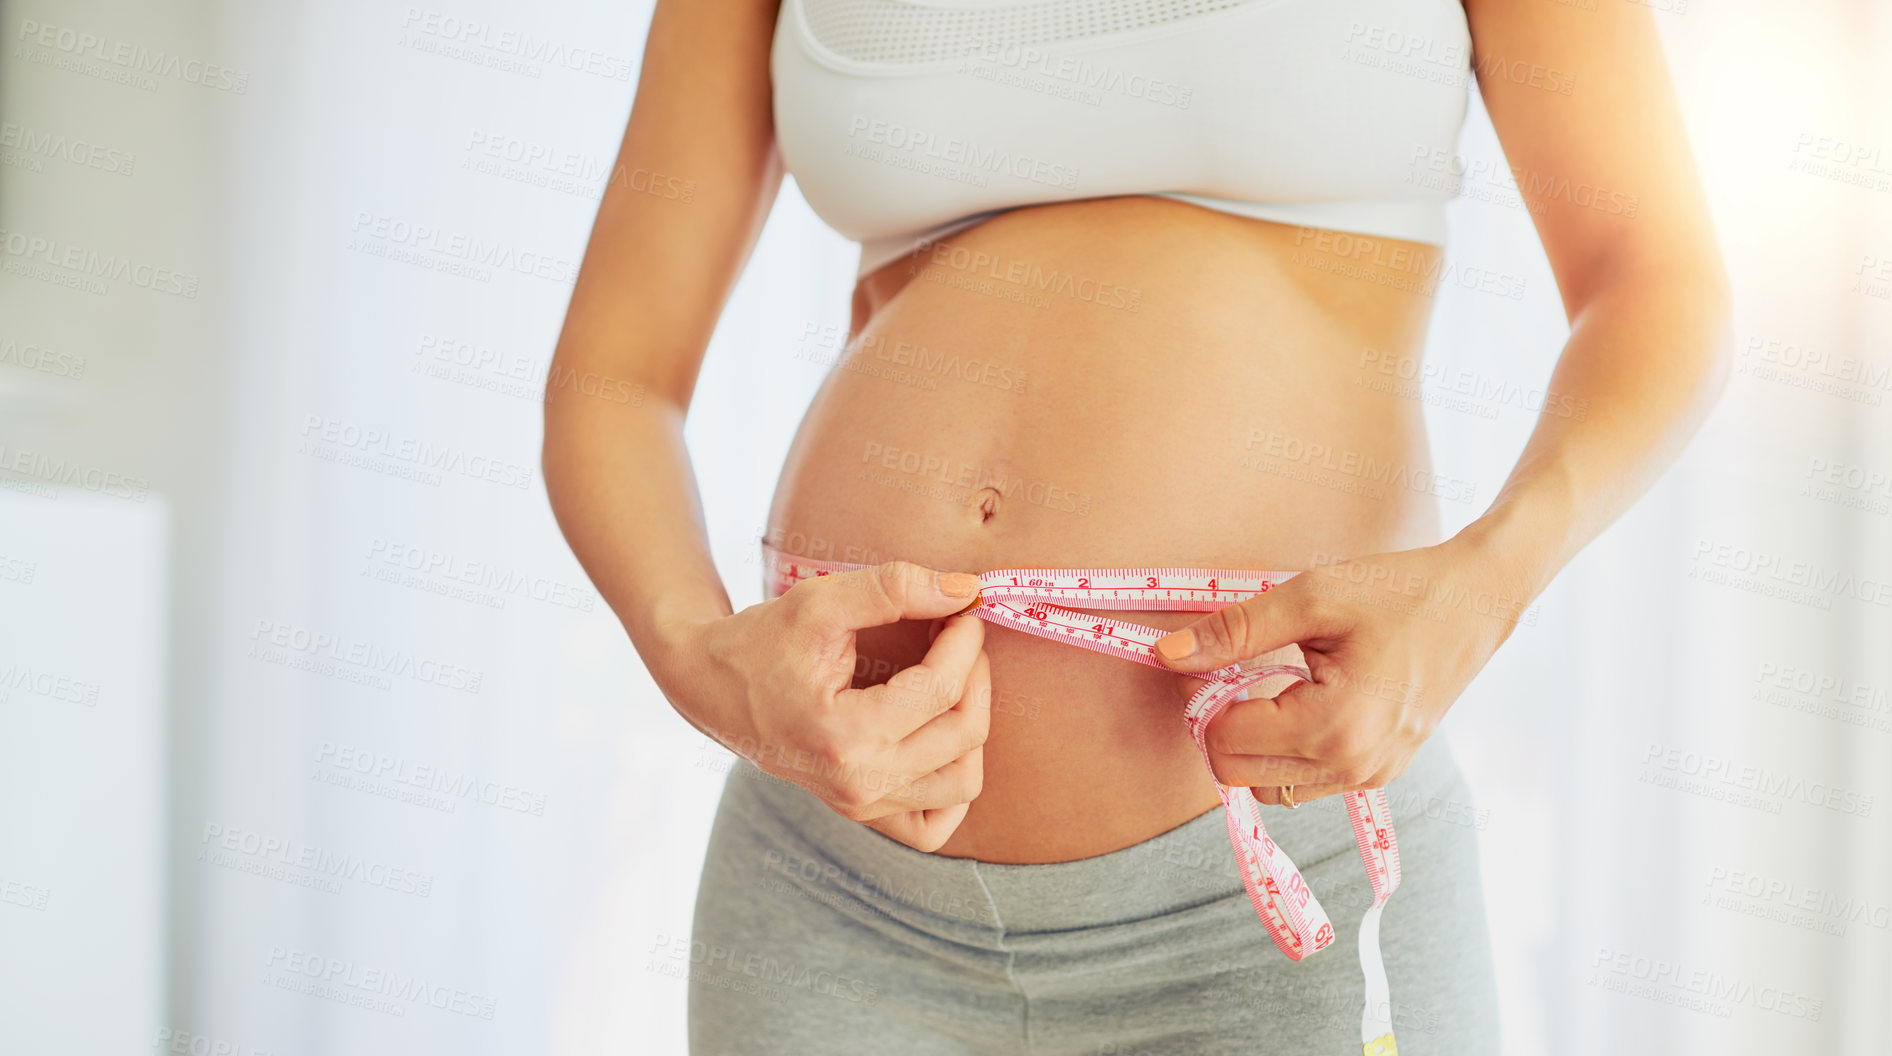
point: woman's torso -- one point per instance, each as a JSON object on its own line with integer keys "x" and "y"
{"x": 1122, "y": 381}
{"x": 1238, "y": 417}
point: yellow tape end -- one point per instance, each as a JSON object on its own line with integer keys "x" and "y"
{"x": 1381, "y": 1046}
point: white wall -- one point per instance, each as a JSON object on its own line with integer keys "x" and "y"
{"x": 82, "y": 678}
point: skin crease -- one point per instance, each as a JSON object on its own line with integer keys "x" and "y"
{"x": 1164, "y": 436}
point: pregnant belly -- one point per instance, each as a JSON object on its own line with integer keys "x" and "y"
{"x": 1120, "y": 382}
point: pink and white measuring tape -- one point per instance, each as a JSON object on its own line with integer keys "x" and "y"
{"x": 1022, "y": 599}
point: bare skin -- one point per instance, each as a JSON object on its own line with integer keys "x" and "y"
{"x": 1231, "y": 419}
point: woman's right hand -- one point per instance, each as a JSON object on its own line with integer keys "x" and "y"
{"x": 772, "y": 683}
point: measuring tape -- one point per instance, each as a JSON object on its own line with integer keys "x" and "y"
{"x": 1023, "y": 600}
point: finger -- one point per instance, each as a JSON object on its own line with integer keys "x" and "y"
{"x": 949, "y": 750}
{"x": 1270, "y": 793}
{"x": 922, "y": 830}
{"x": 883, "y": 594}
{"x": 946, "y": 738}
{"x": 914, "y": 695}
{"x": 1257, "y": 771}
{"x": 954, "y": 732}
{"x": 1249, "y": 628}
{"x": 1294, "y": 722}
{"x": 1303, "y": 794}
{"x": 959, "y": 781}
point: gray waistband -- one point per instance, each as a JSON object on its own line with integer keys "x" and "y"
{"x": 970, "y": 901}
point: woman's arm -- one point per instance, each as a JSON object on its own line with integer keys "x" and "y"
{"x": 1607, "y": 174}
{"x": 693, "y": 183}
{"x": 1393, "y": 639}
{"x": 653, "y": 282}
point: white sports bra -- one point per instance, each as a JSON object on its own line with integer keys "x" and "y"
{"x": 906, "y": 120}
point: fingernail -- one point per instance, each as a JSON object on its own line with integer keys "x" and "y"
{"x": 958, "y": 584}
{"x": 1176, "y": 646}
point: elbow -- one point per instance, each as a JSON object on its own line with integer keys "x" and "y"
{"x": 553, "y": 458}
{"x": 1686, "y": 307}
{"x": 552, "y": 434}
{"x": 1701, "y": 327}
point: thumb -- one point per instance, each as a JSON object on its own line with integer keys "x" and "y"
{"x": 888, "y": 592}
{"x": 1250, "y": 628}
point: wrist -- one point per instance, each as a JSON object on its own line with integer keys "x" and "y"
{"x": 672, "y": 648}
{"x": 668, "y": 630}
{"x": 687, "y": 669}
{"x": 1523, "y": 539}
{"x": 672, "y": 641}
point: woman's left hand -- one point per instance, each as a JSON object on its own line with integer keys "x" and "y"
{"x": 1391, "y": 640}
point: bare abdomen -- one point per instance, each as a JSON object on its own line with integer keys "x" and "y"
{"x": 1119, "y": 382}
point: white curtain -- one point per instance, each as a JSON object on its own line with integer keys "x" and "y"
{"x": 422, "y": 797}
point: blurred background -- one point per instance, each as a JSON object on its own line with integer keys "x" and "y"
{"x": 315, "y": 739}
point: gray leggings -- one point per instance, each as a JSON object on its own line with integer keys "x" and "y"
{"x": 817, "y": 935}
